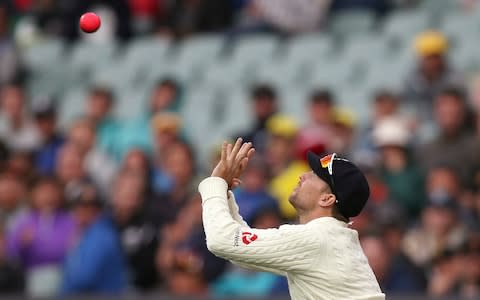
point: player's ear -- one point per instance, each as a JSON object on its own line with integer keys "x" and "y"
{"x": 327, "y": 200}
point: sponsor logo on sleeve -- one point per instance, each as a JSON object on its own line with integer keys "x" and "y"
{"x": 248, "y": 237}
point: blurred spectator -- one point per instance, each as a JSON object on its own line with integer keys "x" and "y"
{"x": 235, "y": 279}
{"x": 385, "y": 104}
{"x": 40, "y": 238}
{"x": 12, "y": 197}
{"x": 144, "y": 14}
{"x": 432, "y": 74}
{"x": 320, "y": 126}
{"x": 100, "y": 102}
{"x": 166, "y": 130}
{"x": 281, "y": 131}
{"x": 177, "y": 162}
{"x": 252, "y": 195}
{"x": 397, "y": 168}
{"x": 474, "y": 96}
{"x": 439, "y": 230}
{"x": 284, "y": 16}
{"x": 9, "y": 64}
{"x": 45, "y": 115}
{"x": 16, "y": 128}
{"x": 136, "y": 161}
{"x": 344, "y": 124}
{"x": 264, "y": 105}
{"x": 394, "y": 272}
{"x": 183, "y": 259}
{"x": 379, "y": 7}
{"x": 98, "y": 164}
{"x": 280, "y": 158}
{"x": 165, "y": 97}
{"x": 186, "y": 16}
{"x": 96, "y": 264}
{"x": 11, "y": 275}
{"x": 138, "y": 234}
{"x": 453, "y": 140}
{"x": 20, "y": 164}
{"x": 70, "y": 171}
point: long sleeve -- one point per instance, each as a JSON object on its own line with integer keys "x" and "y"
{"x": 286, "y": 249}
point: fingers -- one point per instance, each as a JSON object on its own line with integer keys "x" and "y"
{"x": 243, "y": 152}
{"x": 250, "y": 153}
{"x": 236, "y": 148}
{"x": 224, "y": 151}
{"x": 236, "y": 183}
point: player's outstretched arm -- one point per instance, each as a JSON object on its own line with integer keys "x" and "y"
{"x": 276, "y": 250}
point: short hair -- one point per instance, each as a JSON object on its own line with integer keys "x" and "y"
{"x": 383, "y": 94}
{"x": 322, "y": 96}
{"x": 263, "y": 91}
{"x": 455, "y": 92}
{"x": 102, "y": 91}
{"x": 168, "y": 82}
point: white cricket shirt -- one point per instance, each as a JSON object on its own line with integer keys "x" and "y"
{"x": 322, "y": 259}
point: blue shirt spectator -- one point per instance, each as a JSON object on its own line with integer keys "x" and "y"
{"x": 97, "y": 264}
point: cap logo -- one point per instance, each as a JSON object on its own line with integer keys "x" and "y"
{"x": 325, "y": 161}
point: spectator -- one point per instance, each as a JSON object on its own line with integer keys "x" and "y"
{"x": 9, "y": 63}
{"x": 252, "y": 194}
{"x": 41, "y": 238}
{"x": 453, "y": 140}
{"x": 385, "y": 104}
{"x": 320, "y": 126}
{"x": 397, "y": 168}
{"x": 136, "y": 161}
{"x": 165, "y": 97}
{"x": 96, "y": 264}
{"x": 178, "y": 164}
{"x": 166, "y": 130}
{"x": 70, "y": 171}
{"x": 12, "y": 197}
{"x": 144, "y": 13}
{"x": 282, "y": 131}
{"x": 183, "y": 259}
{"x": 16, "y": 128}
{"x": 264, "y": 104}
{"x": 235, "y": 279}
{"x": 474, "y": 96}
{"x": 432, "y": 74}
{"x": 294, "y": 163}
{"x": 186, "y": 17}
{"x": 98, "y": 165}
{"x": 289, "y": 17}
{"x": 343, "y": 133}
{"x": 11, "y": 275}
{"x": 46, "y": 120}
{"x": 138, "y": 234}
{"x": 439, "y": 230}
{"x": 446, "y": 273}
{"x": 393, "y": 274}
{"x": 100, "y": 102}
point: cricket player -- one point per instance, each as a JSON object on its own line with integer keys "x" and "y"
{"x": 321, "y": 257}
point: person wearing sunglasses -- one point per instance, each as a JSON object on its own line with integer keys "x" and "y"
{"x": 321, "y": 256}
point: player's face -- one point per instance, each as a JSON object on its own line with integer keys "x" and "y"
{"x": 305, "y": 195}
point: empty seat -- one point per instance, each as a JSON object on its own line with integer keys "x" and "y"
{"x": 403, "y": 26}
{"x": 306, "y": 48}
{"x": 352, "y": 22}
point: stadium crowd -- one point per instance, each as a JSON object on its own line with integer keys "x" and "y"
{"x": 110, "y": 206}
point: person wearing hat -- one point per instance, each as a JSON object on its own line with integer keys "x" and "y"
{"x": 321, "y": 256}
{"x": 431, "y": 75}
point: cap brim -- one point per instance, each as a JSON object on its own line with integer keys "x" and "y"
{"x": 315, "y": 165}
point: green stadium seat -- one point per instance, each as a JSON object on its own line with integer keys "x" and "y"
{"x": 43, "y": 56}
{"x": 71, "y": 106}
{"x": 307, "y": 48}
{"x": 352, "y": 22}
{"x": 403, "y": 26}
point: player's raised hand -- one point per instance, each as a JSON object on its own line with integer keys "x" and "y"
{"x": 234, "y": 159}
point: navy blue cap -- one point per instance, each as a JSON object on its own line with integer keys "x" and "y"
{"x": 347, "y": 182}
